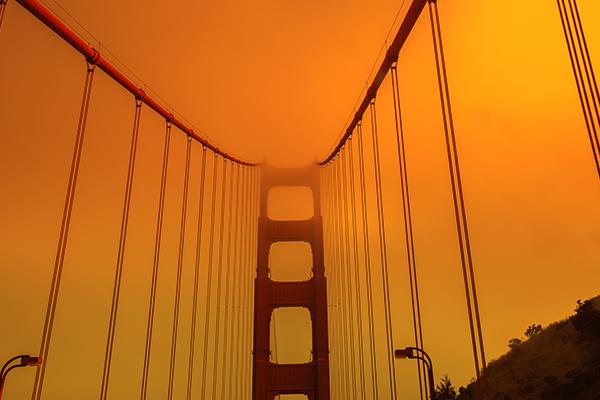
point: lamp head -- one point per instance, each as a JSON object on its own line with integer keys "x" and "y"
{"x": 404, "y": 353}
{"x": 31, "y": 361}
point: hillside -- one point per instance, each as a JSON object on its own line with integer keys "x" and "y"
{"x": 562, "y": 362}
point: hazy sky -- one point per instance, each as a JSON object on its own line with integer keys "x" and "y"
{"x": 277, "y": 81}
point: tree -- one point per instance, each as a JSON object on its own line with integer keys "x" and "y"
{"x": 533, "y": 330}
{"x": 445, "y": 390}
{"x": 514, "y": 343}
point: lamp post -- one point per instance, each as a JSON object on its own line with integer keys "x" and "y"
{"x": 24, "y": 360}
{"x": 415, "y": 352}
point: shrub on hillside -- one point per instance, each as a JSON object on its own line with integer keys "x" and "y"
{"x": 533, "y": 330}
{"x": 587, "y": 318}
{"x": 444, "y": 390}
{"x": 514, "y": 343}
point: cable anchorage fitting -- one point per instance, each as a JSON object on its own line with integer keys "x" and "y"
{"x": 91, "y": 60}
{"x": 169, "y": 120}
{"x": 372, "y": 93}
{"x": 140, "y": 96}
{"x": 392, "y": 57}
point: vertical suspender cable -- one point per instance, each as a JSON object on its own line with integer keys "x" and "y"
{"x": 238, "y": 291}
{"x": 154, "y": 280}
{"x": 361, "y": 349}
{"x": 341, "y": 357}
{"x": 209, "y": 279}
{"x": 587, "y": 62}
{"x": 220, "y": 278}
{"x": 251, "y": 246}
{"x": 590, "y": 77}
{"x": 367, "y": 253}
{"x": 408, "y": 231}
{"x": 332, "y": 286}
{"x": 327, "y": 200}
{"x": 248, "y": 345}
{"x": 323, "y": 192}
{"x": 246, "y": 322}
{"x": 246, "y": 353}
{"x": 325, "y": 209}
{"x": 176, "y": 307}
{"x": 383, "y": 252}
{"x": 348, "y": 274}
{"x": 342, "y": 325}
{"x": 114, "y": 308}
{"x": 584, "y": 83}
{"x": 586, "y": 55}
{"x": 196, "y": 279}
{"x": 64, "y": 233}
{"x": 231, "y": 275}
{"x": 457, "y": 191}
{"x": 253, "y": 261}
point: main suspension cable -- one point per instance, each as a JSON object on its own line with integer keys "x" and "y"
{"x": 408, "y": 230}
{"x": 383, "y": 251}
{"x": 157, "y": 246}
{"x": 64, "y": 233}
{"x": 179, "y": 268}
{"x": 209, "y": 279}
{"x": 114, "y": 308}
{"x": 457, "y": 191}
{"x": 368, "y": 272}
{"x": 196, "y": 278}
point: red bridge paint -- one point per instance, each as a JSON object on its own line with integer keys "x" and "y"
{"x": 311, "y": 379}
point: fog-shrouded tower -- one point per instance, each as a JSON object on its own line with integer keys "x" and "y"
{"x": 312, "y": 378}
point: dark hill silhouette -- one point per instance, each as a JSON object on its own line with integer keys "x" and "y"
{"x": 562, "y": 362}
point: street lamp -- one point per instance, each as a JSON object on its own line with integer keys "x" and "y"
{"x": 415, "y": 352}
{"x": 23, "y": 361}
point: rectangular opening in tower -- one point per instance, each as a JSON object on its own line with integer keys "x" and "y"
{"x": 291, "y": 335}
{"x": 290, "y": 203}
{"x": 290, "y": 261}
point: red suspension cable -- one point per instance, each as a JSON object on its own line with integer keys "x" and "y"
{"x": 46, "y": 16}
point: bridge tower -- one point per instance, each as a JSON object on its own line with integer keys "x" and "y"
{"x": 312, "y": 378}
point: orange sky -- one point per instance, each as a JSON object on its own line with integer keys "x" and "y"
{"x": 276, "y": 81}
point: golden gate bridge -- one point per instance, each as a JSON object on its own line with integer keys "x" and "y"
{"x": 227, "y": 349}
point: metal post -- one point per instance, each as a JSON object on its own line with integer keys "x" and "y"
{"x": 419, "y": 354}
